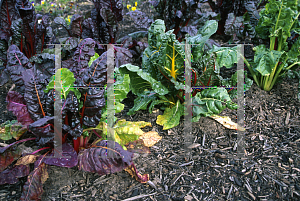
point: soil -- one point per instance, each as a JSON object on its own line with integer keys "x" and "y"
{"x": 270, "y": 169}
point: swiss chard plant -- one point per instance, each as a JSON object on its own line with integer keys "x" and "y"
{"x": 277, "y": 21}
{"x": 21, "y": 28}
{"x": 236, "y": 7}
{"x": 183, "y": 17}
{"x": 83, "y": 113}
{"x": 161, "y": 79}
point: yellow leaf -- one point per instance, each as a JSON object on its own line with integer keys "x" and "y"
{"x": 150, "y": 138}
{"x": 226, "y": 122}
{"x": 25, "y": 160}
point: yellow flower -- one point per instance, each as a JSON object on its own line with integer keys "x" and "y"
{"x": 42, "y": 2}
{"x": 128, "y": 6}
{"x": 135, "y": 4}
{"x": 52, "y": 4}
{"x": 32, "y": 4}
{"x": 69, "y": 19}
{"x": 133, "y": 8}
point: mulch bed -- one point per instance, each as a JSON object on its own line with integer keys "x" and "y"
{"x": 270, "y": 169}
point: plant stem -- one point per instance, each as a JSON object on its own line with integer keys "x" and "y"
{"x": 39, "y": 150}
{"x": 251, "y": 70}
{"x": 17, "y": 142}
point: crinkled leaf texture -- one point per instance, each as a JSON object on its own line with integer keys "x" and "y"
{"x": 34, "y": 95}
{"x": 8, "y": 13}
{"x": 79, "y": 62}
{"x": 265, "y": 59}
{"x": 33, "y": 188}
{"x": 17, "y": 105}
{"x": 233, "y": 24}
{"x": 176, "y": 13}
{"x": 278, "y": 19}
{"x": 140, "y": 19}
{"x": 17, "y": 63}
{"x": 11, "y": 175}
{"x": 105, "y": 158}
{"x": 106, "y": 15}
{"x": 211, "y": 101}
{"x": 70, "y": 101}
{"x": 140, "y": 80}
{"x": 68, "y": 158}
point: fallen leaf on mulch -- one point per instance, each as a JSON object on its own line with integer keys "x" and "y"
{"x": 226, "y": 122}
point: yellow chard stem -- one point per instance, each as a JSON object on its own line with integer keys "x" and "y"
{"x": 173, "y": 63}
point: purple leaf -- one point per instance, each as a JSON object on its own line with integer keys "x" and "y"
{"x": 8, "y": 13}
{"x": 140, "y": 19}
{"x": 33, "y": 188}
{"x": 106, "y": 158}
{"x": 34, "y": 95}
{"x": 11, "y": 175}
{"x": 17, "y": 105}
{"x": 17, "y": 63}
{"x": 42, "y": 129}
{"x": 76, "y": 25}
{"x": 70, "y": 160}
{"x": 8, "y": 157}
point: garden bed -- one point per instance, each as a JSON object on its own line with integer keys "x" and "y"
{"x": 270, "y": 169}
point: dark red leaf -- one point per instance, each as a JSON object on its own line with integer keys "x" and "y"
{"x": 76, "y": 25}
{"x": 17, "y": 105}
{"x": 106, "y": 158}
{"x": 7, "y": 157}
{"x": 8, "y": 13}
{"x": 17, "y": 63}
{"x": 70, "y": 161}
{"x": 11, "y": 175}
{"x": 34, "y": 95}
{"x": 33, "y": 188}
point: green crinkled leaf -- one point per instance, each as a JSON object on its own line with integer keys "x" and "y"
{"x": 11, "y": 129}
{"x": 204, "y": 34}
{"x": 171, "y": 116}
{"x": 226, "y": 56}
{"x": 121, "y": 89}
{"x": 294, "y": 53}
{"x": 67, "y": 83}
{"x": 139, "y": 80}
{"x": 265, "y": 59}
{"x": 211, "y": 101}
{"x": 121, "y": 86}
{"x": 142, "y": 101}
{"x": 209, "y": 28}
{"x": 93, "y": 58}
{"x": 278, "y": 19}
{"x": 170, "y": 57}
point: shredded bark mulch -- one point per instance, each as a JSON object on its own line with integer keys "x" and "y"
{"x": 269, "y": 170}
